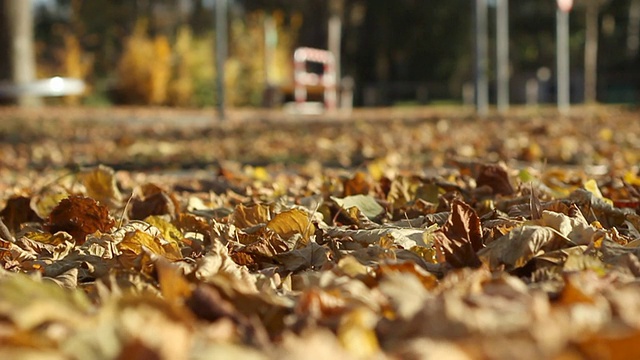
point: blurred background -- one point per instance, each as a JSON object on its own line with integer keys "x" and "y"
{"x": 402, "y": 52}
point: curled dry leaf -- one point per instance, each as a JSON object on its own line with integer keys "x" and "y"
{"x": 79, "y": 216}
{"x": 154, "y": 201}
{"x": 522, "y": 244}
{"x": 574, "y": 228}
{"x": 458, "y": 241}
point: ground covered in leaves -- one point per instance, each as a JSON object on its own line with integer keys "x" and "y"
{"x": 390, "y": 236}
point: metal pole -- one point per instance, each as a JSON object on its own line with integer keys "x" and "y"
{"x": 562, "y": 49}
{"x": 482, "y": 60}
{"x": 221, "y": 53}
{"x": 502, "y": 54}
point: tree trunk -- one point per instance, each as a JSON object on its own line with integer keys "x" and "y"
{"x": 17, "y": 60}
{"x": 591, "y": 52}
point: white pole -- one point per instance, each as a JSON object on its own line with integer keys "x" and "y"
{"x": 562, "y": 49}
{"x": 221, "y": 52}
{"x": 482, "y": 82}
{"x": 502, "y": 54}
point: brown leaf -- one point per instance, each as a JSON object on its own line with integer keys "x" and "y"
{"x": 79, "y": 216}
{"x": 312, "y": 256}
{"x": 191, "y": 223}
{"x": 495, "y": 177}
{"x": 207, "y": 304}
{"x": 154, "y": 201}
{"x": 18, "y": 211}
{"x": 358, "y": 185}
{"x": 460, "y": 238}
{"x": 535, "y": 205}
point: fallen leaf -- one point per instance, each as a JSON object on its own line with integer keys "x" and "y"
{"x": 522, "y": 244}
{"x": 153, "y": 200}
{"x": 574, "y": 228}
{"x": 496, "y": 177}
{"x": 43, "y": 204}
{"x": 79, "y": 216}
{"x": 291, "y": 222}
{"x": 356, "y": 333}
{"x": 248, "y": 216}
{"x": 100, "y": 183}
{"x": 312, "y": 256}
{"x": 367, "y": 205}
{"x": 357, "y": 185}
{"x": 169, "y": 232}
{"x": 18, "y": 211}
{"x": 458, "y": 241}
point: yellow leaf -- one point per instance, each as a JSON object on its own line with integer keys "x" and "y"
{"x": 48, "y": 238}
{"x": 352, "y": 267}
{"x": 168, "y": 230}
{"x": 43, "y": 204}
{"x": 248, "y": 216}
{"x": 261, "y": 174}
{"x": 356, "y": 333}
{"x": 294, "y": 221}
{"x": 631, "y": 178}
{"x": 592, "y": 186}
{"x": 100, "y": 183}
{"x": 175, "y": 288}
{"x": 376, "y": 169}
{"x": 427, "y": 253}
{"x": 135, "y": 240}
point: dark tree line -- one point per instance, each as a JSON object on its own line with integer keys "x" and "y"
{"x": 392, "y": 42}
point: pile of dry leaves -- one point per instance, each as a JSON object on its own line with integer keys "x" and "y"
{"x": 478, "y": 259}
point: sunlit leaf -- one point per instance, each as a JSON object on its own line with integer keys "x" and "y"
{"x": 248, "y": 216}
{"x": 100, "y": 183}
{"x": 168, "y": 230}
{"x": 43, "y": 204}
{"x": 290, "y": 222}
{"x": 134, "y": 242}
{"x": 367, "y": 205}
